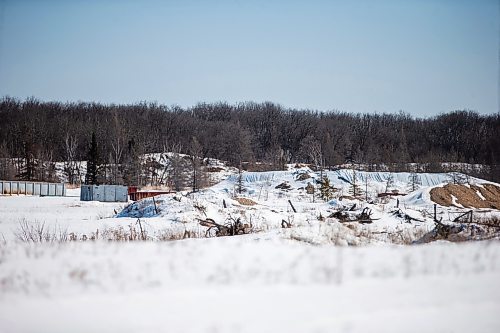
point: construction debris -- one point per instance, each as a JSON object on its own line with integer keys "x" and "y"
{"x": 231, "y": 228}
{"x": 283, "y": 186}
{"x": 303, "y": 176}
{"x": 349, "y": 215}
{"x": 285, "y": 224}
{"x": 402, "y": 215}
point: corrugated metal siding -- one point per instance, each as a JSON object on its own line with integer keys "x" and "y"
{"x": 86, "y": 193}
{"x": 104, "y": 193}
{"x": 32, "y": 188}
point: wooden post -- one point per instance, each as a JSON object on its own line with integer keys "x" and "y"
{"x": 224, "y": 203}
{"x": 397, "y": 203}
{"x": 154, "y": 202}
{"x": 294, "y": 210}
{"x": 435, "y": 212}
{"x": 140, "y": 227}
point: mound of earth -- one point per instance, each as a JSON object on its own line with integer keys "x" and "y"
{"x": 468, "y": 196}
{"x": 246, "y": 201}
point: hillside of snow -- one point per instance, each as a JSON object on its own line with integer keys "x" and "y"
{"x": 401, "y": 219}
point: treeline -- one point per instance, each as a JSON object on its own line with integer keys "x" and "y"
{"x": 245, "y": 133}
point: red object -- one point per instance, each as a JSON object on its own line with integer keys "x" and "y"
{"x": 132, "y": 189}
{"x": 138, "y": 195}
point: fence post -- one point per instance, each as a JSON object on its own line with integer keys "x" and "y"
{"x": 156, "y": 209}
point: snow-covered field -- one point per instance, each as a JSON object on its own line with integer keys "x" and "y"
{"x": 275, "y": 280}
{"x": 249, "y": 284}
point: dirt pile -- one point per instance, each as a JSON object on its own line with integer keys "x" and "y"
{"x": 246, "y": 201}
{"x": 469, "y": 196}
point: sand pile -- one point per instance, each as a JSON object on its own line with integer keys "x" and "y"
{"x": 468, "y": 196}
{"x": 246, "y": 201}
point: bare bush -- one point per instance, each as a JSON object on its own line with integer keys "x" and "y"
{"x": 37, "y": 232}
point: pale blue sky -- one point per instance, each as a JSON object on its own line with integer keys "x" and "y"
{"x": 423, "y": 57}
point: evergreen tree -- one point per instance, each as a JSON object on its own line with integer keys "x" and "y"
{"x": 29, "y": 164}
{"x": 239, "y": 186}
{"x": 132, "y": 165}
{"x": 92, "y": 163}
{"x": 389, "y": 182}
{"x": 414, "y": 181}
{"x": 326, "y": 190}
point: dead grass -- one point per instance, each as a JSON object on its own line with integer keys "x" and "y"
{"x": 38, "y": 232}
{"x": 467, "y": 196}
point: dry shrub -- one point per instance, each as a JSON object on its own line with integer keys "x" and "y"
{"x": 169, "y": 234}
{"x": 37, "y": 232}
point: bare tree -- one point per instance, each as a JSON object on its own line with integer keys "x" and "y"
{"x": 310, "y": 148}
{"x": 198, "y": 176}
{"x": 71, "y": 167}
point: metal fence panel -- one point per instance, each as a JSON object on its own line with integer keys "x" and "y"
{"x": 86, "y": 193}
{"x": 108, "y": 193}
{"x": 44, "y": 189}
{"x": 52, "y": 189}
{"x": 97, "y": 193}
{"x": 37, "y": 187}
{"x": 21, "y": 188}
{"x": 14, "y": 187}
{"x": 59, "y": 190}
{"x": 7, "y": 188}
{"x": 104, "y": 193}
{"x": 121, "y": 194}
{"x": 31, "y": 188}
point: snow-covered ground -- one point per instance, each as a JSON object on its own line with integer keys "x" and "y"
{"x": 249, "y": 284}
{"x": 274, "y": 280}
